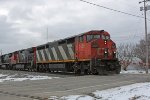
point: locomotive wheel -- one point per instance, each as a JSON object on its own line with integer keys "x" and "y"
{"x": 86, "y": 72}
{"x": 102, "y": 71}
{"x": 95, "y": 72}
{"x": 14, "y": 67}
{"x": 78, "y": 72}
{"x": 118, "y": 69}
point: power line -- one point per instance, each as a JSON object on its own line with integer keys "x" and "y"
{"x": 112, "y": 9}
{"x": 121, "y": 37}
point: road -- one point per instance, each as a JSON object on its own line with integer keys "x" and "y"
{"x": 42, "y": 89}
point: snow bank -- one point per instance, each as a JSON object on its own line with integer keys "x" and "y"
{"x": 16, "y": 77}
{"x": 139, "y": 91}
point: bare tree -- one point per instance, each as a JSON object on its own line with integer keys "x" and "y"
{"x": 139, "y": 50}
{"x": 125, "y": 54}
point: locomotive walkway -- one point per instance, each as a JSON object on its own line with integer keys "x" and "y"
{"x": 42, "y": 89}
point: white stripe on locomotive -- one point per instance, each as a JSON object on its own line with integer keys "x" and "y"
{"x": 62, "y": 52}
{"x": 70, "y": 50}
{"x": 48, "y": 54}
{"x": 42, "y": 53}
{"x": 54, "y": 53}
{"x": 37, "y": 56}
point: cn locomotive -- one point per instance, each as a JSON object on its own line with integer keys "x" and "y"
{"x": 91, "y": 52}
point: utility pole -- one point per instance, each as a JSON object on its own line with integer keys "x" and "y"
{"x": 47, "y": 33}
{"x": 1, "y": 52}
{"x": 145, "y": 8}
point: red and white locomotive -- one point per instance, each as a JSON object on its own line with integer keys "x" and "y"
{"x": 90, "y": 52}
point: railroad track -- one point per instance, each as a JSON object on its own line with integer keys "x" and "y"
{"x": 23, "y": 95}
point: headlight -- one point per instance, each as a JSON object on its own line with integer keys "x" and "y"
{"x": 105, "y": 42}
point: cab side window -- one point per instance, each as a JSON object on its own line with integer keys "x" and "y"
{"x": 81, "y": 38}
{"x": 89, "y": 38}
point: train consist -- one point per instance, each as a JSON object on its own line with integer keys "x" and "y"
{"x": 91, "y": 52}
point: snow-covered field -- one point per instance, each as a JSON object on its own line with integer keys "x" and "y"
{"x": 139, "y": 91}
{"x": 22, "y": 77}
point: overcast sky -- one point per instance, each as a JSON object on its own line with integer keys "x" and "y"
{"x": 23, "y": 23}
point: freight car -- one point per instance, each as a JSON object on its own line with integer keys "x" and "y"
{"x": 91, "y": 52}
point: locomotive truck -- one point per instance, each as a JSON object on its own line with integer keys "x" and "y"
{"x": 91, "y": 52}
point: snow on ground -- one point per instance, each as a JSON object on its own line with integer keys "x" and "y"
{"x": 77, "y": 97}
{"x": 133, "y": 72}
{"x": 22, "y": 77}
{"x": 138, "y": 91}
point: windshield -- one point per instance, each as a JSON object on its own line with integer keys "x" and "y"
{"x": 91, "y": 37}
{"x": 105, "y": 37}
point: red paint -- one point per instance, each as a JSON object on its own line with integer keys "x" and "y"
{"x": 14, "y": 58}
{"x": 34, "y": 56}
